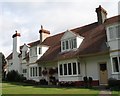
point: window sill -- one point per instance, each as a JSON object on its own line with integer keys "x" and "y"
{"x": 74, "y": 49}
{"x": 70, "y": 75}
{"x": 115, "y": 73}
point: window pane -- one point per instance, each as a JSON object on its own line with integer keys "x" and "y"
{"x": 115, "y": 64}
{"x": 36, "y": 70}
{"x": 40, "y": 71}
{"x": 74, "y": 69}
{"x": 63, "y": 45}
{"x": 39, "y": 50}
{"x": 67, "y": 45}
{"x": 61, "y": 70}
{"x": 65, "y": 69}
{"x": 118, "y": 31}
{"x": 78, "y": 68}
{"x": 75, "y": 44}
{"x": 111, "y": 32}
{"x": 35, "y": 50}
{"x": 69, "y": 69}
{"x": 33, "y": 71}
{"x": 30, "y": 52}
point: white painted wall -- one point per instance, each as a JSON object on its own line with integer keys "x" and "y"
{"x": 92, "y": 66}
{"x": 91, "y": 69}
{"x": 16, "y": 60}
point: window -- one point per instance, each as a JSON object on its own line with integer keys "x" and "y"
{"x": 78, "y": 68}
{"x": 74, "y": 68}
{"x": 74, "y": 43}
{"x": 36, "y": 71}
{"x": 118, "y": 31}
{"x": 40, "y": 71}
{"x": 115, "y": 64}
{"x": 65, "y": 69}
{"x": 114, "y": 32}
{"x": 35, "y": 50}
{"x": 69, "y": 69}
{"x": 111, "y": 31}
{"x": 30, "y": 52}
{"x": 31, "y": 72}
{"x": 24, "y": 70}
{"x": 67, "y": 46}
{"x": 63, "y": 45}
{"x": 39, "y": 50}
{"x": 61, "y": 69}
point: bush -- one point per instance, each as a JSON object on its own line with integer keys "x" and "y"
{"x": 90, "y": 80}
{"x": 43, "y": 82}
{"x": 30, "y": 82}
{"x": 85, "y": 81}
{"x": 112, "y": 82}
{"x": 14, "y": 76}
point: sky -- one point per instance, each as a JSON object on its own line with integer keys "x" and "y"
{"x": 55, "y": 15}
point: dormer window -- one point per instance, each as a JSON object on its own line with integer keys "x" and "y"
{"x": 69, "y": 44}
{"x": 70, "y": 41}
{"x": 114, "y": 32}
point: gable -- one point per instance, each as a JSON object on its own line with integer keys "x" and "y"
{"x": 25, "y": 47}
{"x": 68, "y": 34}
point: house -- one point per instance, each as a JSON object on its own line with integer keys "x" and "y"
{"x": 91, "y": 50}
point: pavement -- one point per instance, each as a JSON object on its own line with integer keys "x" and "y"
{"x": 104, "y": 91}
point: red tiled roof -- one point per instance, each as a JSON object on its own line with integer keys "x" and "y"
{"x": 94, "y": 42}
{"x": 112, "y": 20}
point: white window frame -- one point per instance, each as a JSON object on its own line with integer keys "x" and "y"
{"x": 115, "y": 34}
{"x": 70, "y": 44}
{"x": 113, "y": 65}
{"x": 68, "y": 69}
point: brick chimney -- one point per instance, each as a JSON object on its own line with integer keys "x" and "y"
{"x": 101, "y": 14}
{"x": 43, "y": 34}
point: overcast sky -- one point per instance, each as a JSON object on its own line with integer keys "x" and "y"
{"x": 55, "y": 15}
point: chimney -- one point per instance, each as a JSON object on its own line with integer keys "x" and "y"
{"x": 16, "y": 42}
{"x": 16, "y": 52}
{"x": 43, "y": 34}
{"x": 101, "y": 14}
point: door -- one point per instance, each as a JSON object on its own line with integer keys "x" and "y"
{"x": 103, "y": 74}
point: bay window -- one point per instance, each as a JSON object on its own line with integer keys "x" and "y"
{"x": 116, "y": 64}
{"x": 114, "y": 32}
{"x": 69, "y": 69}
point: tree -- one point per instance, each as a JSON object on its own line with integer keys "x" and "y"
{"x": 4, "y": 62}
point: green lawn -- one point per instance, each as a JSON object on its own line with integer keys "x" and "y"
{"x": 20, "y": 88}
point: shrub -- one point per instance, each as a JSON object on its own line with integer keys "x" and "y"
{"x": 43, "y": 82}
{"x": 30, "y": 82}
{"x": 112, "y": 82}
{"x": 85, "y": 81}
{"x": 90, "y": 81}
{"x": 14, "y": 76}
{"x": 52, "y": 71}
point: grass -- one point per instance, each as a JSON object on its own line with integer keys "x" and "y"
{"x": 22, "y": 88}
